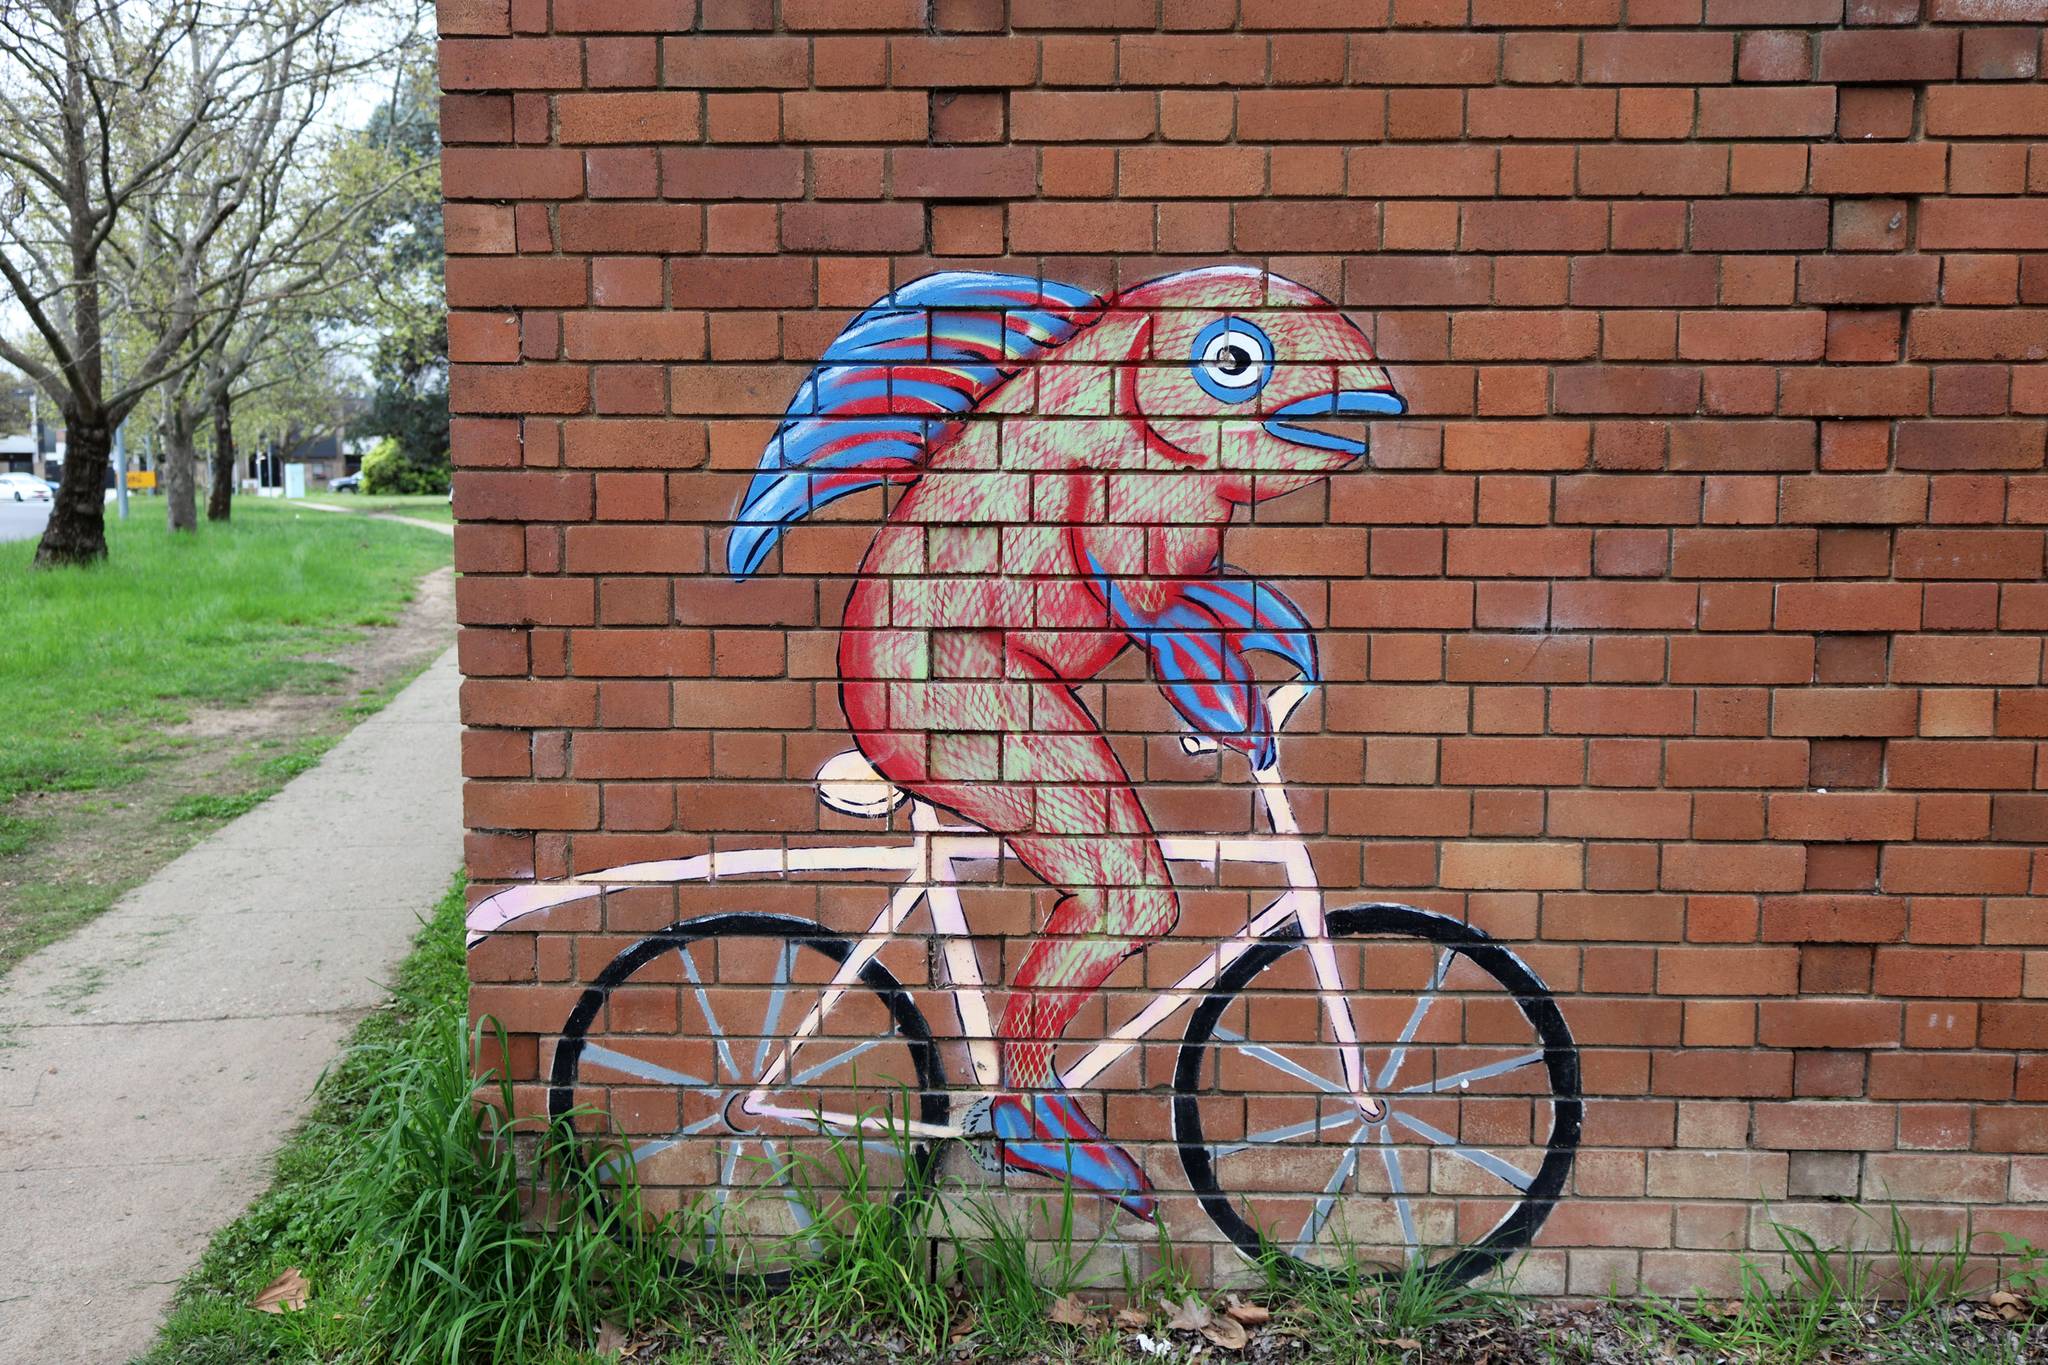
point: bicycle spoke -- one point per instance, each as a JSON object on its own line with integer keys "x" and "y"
{"x": 1484, "y": 1160}
{"x": 635, "y": 1157}
{"x": 783, "y": 1171}
{"x": 1321, "y": 1213}
{"x": 784, "y": 962}
{"x": 710, "y": 1019}
{"x": 811, "y": 1073}
{"x": 659, "y": 1145}
{"x": 1290, "y": 1132}
{"x": 1402, "y": 1209}
{"x": 1422, "y": 1008}
{"x": 1478, "y": 1073}
{"x": 1280, "y": 1063}
{"x": 634, "y": 1066}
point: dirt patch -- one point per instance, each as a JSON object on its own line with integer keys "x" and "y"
{"x": 90, "y": 847}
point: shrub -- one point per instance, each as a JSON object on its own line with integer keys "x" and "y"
{"x": 386, "y": 469}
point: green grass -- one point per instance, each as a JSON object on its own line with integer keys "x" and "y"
{"x": 99, "y": 659}
{"x": 425, "y": 506}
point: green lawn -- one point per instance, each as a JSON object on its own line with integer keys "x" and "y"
{"x": 425, "y": 506}
{"x": 97, "y": 665}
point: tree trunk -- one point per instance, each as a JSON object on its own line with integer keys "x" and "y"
{"x": 176, "y": 471}
{"x": 221, "y": 499}
{"x": 77, "y": 531}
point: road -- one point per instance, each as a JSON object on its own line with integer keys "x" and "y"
{"x": 21, "y": 520}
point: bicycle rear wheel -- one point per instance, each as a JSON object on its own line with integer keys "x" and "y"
{"x": 1464, "y": 1046}
{"x": 664, "y": 1047}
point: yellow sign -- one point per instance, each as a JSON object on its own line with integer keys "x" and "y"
{"x": 140, "y": 480}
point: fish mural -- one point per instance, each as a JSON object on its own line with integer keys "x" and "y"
{"x": 1066, "y": 466}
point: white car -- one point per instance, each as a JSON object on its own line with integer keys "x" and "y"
{"x": 24, "y": 488}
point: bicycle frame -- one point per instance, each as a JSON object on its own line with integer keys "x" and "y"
{"x": 931, "y": 863}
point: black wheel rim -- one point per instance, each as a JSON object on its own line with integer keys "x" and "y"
{"x": 1560, "y": 1060}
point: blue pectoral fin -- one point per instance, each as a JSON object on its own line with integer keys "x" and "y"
{"x": 1212, "y": 685}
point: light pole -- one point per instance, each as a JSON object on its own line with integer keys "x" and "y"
{"x": 121, "y": 469}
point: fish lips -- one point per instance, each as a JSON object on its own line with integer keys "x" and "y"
{"x": 1285, "y": 422}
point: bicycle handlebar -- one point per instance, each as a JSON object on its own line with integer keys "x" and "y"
{"x": 1280, "y": 704}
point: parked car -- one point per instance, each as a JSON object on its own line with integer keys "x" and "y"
{"x": 347, "y": 483}
{"x": 25, "y": 488}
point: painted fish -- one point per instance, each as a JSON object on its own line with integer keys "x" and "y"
{"x": 1068, "y": 465}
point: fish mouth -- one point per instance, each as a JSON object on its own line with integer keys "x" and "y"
{"x": 1285, "y": 423}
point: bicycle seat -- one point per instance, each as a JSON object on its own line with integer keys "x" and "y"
{"x": 849, "y": 784}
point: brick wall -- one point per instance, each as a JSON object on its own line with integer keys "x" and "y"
{"x": 1685, "y": 635}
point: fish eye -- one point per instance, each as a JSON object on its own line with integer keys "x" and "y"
{"x": 1232, "y": 360}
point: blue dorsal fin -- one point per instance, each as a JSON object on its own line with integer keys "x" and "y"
{"x": 892, "y": 386}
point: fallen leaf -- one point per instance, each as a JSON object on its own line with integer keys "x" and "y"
{"x": 1068, "y": 1311}
{"x": 965, "y": 1327}
{"x": 1189, "y": 1315}
{"x": 2007, "y": 1305}
{"x": 287, "y": 1293}
{"x": 1131, "y": 1319}
{"x": 1228, "y": 1333}
{"x": 1399, "y": 1343}
{"x": 611, "y": 1339}
{"x": 1250, "y": 1314}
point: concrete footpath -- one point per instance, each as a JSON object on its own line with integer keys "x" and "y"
{"x": 152, "y": 1063}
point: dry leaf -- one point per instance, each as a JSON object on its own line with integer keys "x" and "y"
{"x": 611, "y": 1339}
{"x": 287, "y": 1293}
{"x": 1398, "y": 1343}
{"x": 1228, "y": 1333}
{"x": 965, "y": 1327}
{"x": 1250, "y": 1314}
{"x": 1131, "y": 1319}
{"x": 1189, "y": 1315}
{"x": 2007, "y": 1305}
{"x": 1068, "y": 1311}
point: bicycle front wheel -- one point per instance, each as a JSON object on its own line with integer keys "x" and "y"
{"x": 1460, "y": 1041}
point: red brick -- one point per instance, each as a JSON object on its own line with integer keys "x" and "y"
{"x": 1310, "y": 115}
{"x": 854, "y": 116}
{"x": 1424, "y": 58}
{"x": 1643, "y": 282}
{"x": 964, "y": 173}
{"x": 1064, "y": 116}
{"x": 511, "y": 173}
{"x": 1658, "y": 58}
{"x": 852, "y": 227}
{"x": 1959, "y": 224}
{"x": 1759, "y": 225}
{"x": 1540, "y": 114}
{"x": 757, "y": 62}
{"x": 637, "y": 116}
{"x": 1897, "y": 58}
{"x": 511, "y": 64}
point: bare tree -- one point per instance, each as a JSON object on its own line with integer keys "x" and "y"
{"x": 102, "y": 104}
{"x": 304, "y": 189}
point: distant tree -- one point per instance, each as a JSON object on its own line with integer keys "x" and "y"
{"x": 102, "y": 103}
{"x": 14, "y": 405}
{"x": 295, "y": 236}
{"x": 401, "y": 294}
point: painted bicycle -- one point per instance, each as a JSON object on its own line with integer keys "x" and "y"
{"x": 1376, "y": 1080}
